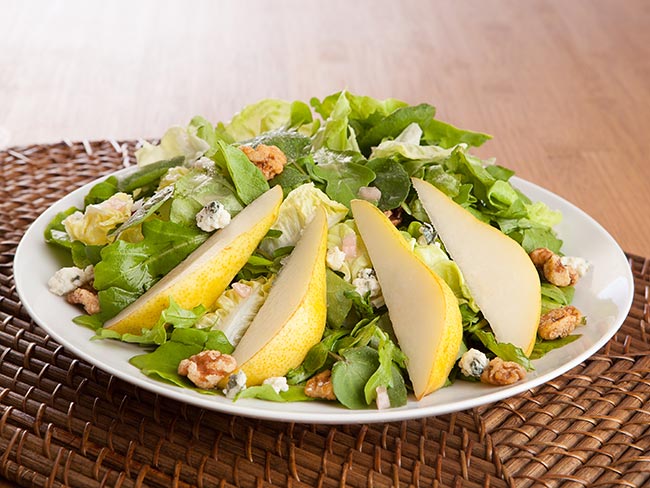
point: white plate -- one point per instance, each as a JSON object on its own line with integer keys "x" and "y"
{"x": 604, "y": 295}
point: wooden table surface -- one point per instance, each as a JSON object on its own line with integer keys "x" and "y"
{"x": 564, "y": 86}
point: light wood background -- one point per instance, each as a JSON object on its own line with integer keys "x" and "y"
{"x": 563, "y": 85}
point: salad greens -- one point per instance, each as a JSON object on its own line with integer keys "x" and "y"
{"x": 135, "y": 229}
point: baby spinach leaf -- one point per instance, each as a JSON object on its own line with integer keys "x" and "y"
{"x": 344, "y": 180}
{"x": 163, "y": 362}
{"x": 392, "y": 180}
{"x": 248, "y": 179}
{"x": 338, "y": 305}
{"x": 289, "y": 179}
{"x": 350, "y": 375}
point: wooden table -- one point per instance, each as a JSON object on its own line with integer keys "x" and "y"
{"x": 564, "y": 87}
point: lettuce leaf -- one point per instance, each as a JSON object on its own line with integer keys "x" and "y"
{"x": 177, "y": 141}
{"x": 234, "y": 313}
{"x": 257, "y": 118}
{"x": 296, "y": 211}
{"x": 135, "y": 267}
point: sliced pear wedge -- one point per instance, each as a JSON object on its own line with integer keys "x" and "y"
{"x": 204, "y": 274}
{"x": 292, "y": 318}
{"x": 498, "y": 272}
{"x": 422, "y": 308}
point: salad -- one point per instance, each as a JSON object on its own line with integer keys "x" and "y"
{"x": 137, "y": 229}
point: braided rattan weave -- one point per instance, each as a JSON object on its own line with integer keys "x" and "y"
{"x": 65, "y": 422}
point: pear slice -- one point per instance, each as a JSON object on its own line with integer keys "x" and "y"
{"x": 498, "y": 272}
{"x": 422, "y": 308}
{"x": 292, "y": 318}
{"x": 204, "y": 274}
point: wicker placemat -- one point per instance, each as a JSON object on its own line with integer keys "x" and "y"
{"x": 65, "y": 422}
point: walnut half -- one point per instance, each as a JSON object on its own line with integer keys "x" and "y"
{"x": 207, "y": 368}
{"x": 559, "y": 322}
{"x": 269, "y": 159}
{"x": 552, "y": 268}
{"x": 499, "y": 372}
{"x": 86, "y": 298}
{"x": 320, "y": 386}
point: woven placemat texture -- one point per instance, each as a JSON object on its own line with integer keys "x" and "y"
{"x": 64, "y": 422}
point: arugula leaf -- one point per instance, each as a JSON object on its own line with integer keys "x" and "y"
{"x": 180, "y": 317}
{"x": 248, "y": 179}
{"x": 84, "y": 255}
{"x": 266, "y": 392}
{"x": 350, "y": 375}
{"x": 555, "y": 297}
{"x": 543, "y": 347}
{"x": 392, "y": 180}
{"x": 504, "y": 350}
{"x": 135, "y": 267}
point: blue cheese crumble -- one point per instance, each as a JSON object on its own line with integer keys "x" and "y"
{"x": 236, "y": 383}
{"x": 367, "y": 282}
{"x": 472, "y": 363}
{"x": 278, "y": 383}
{"x": 212, "y": 217}
{"x": 69, "y": 279}
{"x": 335, "y": 258}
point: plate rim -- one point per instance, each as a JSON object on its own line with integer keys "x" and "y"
{"x": 250, "y": 408}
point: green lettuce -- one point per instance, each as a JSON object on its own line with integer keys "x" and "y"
{"x": 407, "y": 145}
{"x": 233, "y": 312}
{"x": 296, "y": 211}
{"x": 263, "y": 116}
{"x": 177, "y": 141}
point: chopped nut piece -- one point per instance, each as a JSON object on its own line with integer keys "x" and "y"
{"x": 269, "y": 159}
{"x": 500, "y": 372}
{"x": 555, "y": 272}
{"x": 553, "y": 267}
{"x": 207, "y": 368}
{"x": 85, "y": 298}
{"x": 395, "y": 216}
{"x": 540, "y": 255}
{"x": 559, "y": 322}
{"x": 320, "y": 386}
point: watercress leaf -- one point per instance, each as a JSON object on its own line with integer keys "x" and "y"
{"x": 350, "y": 375}
{"x": 392, "y": 180}
{"x": 504, "y": 350}
{"x": 542, "y": 347}
{"x": 248, "y": 179}
{"x": 397, "y": 393}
